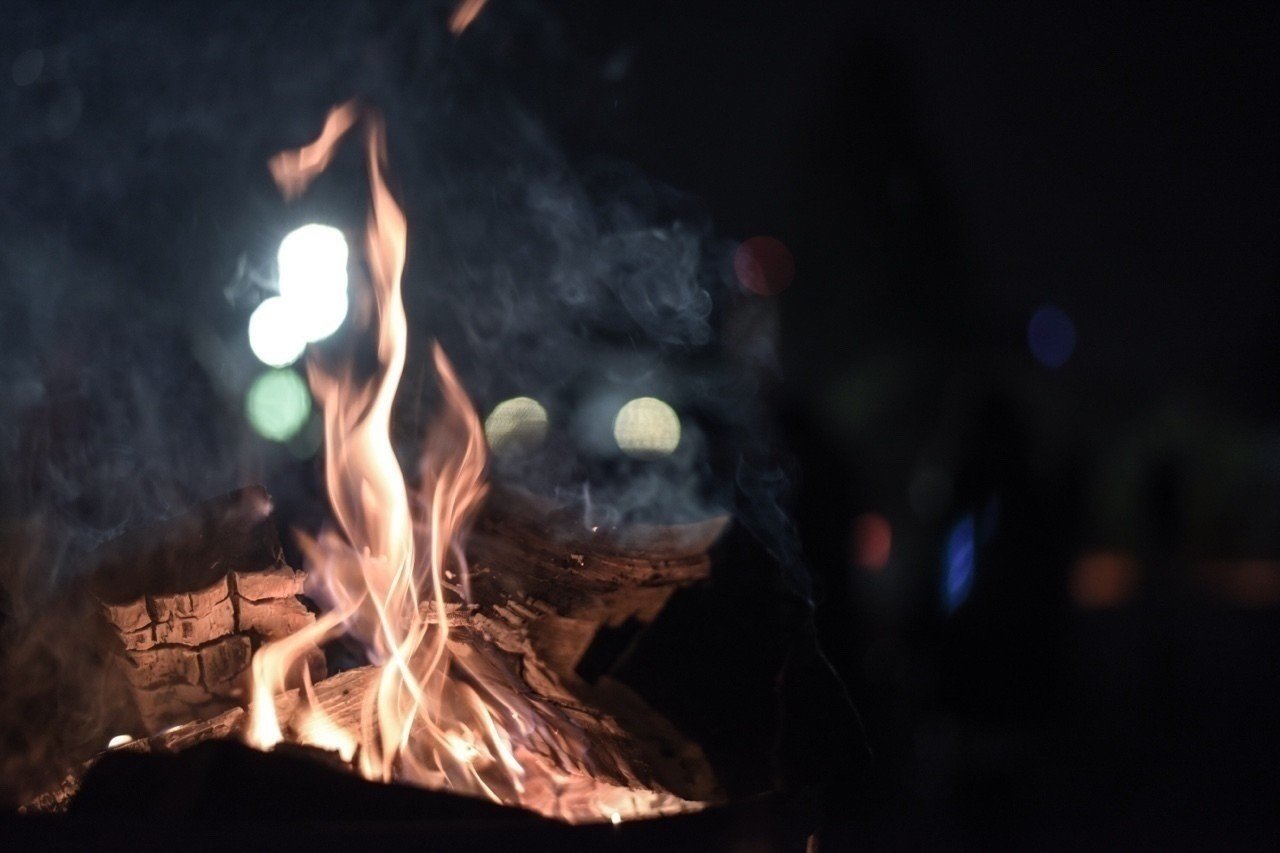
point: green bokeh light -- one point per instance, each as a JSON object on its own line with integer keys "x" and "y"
{"x": 278, "y": 404}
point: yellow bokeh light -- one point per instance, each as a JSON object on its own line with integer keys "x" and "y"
{"x": 519, "y": 423}
{"x": 647, "y": 428}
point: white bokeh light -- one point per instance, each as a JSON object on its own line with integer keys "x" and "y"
{"x": 275, "y": 335}
{"x": 318, "y": 315}
{"x": 313, "y": 256}
{"x": 647, "y": 428}
{"x": 313, "y": 278}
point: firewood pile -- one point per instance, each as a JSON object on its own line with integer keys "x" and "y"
{"x": 212, "y": 586}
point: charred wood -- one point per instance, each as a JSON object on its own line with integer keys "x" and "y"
{"x": 190, "y": 606}
{"x": 543, "y": 599}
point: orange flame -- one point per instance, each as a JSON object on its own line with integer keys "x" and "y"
{"x": 293, "y": 171}
{"x": 466, "y": 12}
{"x": 436, "y": 715}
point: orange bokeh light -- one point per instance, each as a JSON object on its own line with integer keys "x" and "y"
{"x": 1102, "y": 580}
{"x": 872, "y": 541}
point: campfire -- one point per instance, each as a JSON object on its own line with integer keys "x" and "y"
{"x": 477, "y": 615}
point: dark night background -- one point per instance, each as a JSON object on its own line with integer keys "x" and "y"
{"x": 1052, "y": 587}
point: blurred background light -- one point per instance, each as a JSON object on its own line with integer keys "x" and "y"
{"x": 1244, "y": 582}
{"x": 278, "y": 404}
{"x": 319, "y": 315}
{"x": 958, "y": 564}
{"x": 764, "y": 266}
{"x": 647, "y": 428}
{"x": 315, "y": 255}
{"x": 275, "y": 335}
{"x": 872, "y": 541}
{"x": 313, "y": 278}
{"x": 1051, "y": 336}
{"x": 516, "y": 424}
{"x": 1103, "y": 579}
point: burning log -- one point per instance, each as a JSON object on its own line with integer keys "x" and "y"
{"x": 191, "y": 600}
{"x": 572, "y": 605}
{"x": 545, "y": 600}
{"x": 586, "y": 743}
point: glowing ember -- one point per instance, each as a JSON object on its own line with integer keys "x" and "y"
{"x": 437, "y": 712}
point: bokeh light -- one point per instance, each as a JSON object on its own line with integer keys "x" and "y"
{"x": 516, "y": 424}
{"x": 274, "y": 333}
{"x": 958, "y": 563}
{"x": 764, "y": 266}
{"x": 872, "y": 541}
{"x": 313, "y": 254}
{"x": 1245, "y": 583}
{"x": 1103, "y": 580}
{"x": 278, "y": 404}
{"x": 1051, "y": 336}
{"x": 313, "y": 279}
{"x": 313, "y": 299}
{"x": 647, "y": 428}
{"x": 318, "y": 316}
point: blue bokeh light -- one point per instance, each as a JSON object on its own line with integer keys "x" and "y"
{"x": 1051, "y": 336}
{"x": 958, "y": 563}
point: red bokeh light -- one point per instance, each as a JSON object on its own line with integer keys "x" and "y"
{"x": 872, "y": 541}
{"x": 764, "y": 266}
{"x": 1104, "y": 579}
{"x": 1243, "y": 582}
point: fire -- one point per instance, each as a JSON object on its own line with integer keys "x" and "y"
{"x": 464, "y": 14}
{"x": 437, "y": 714}
{"x": 294, "y": 170}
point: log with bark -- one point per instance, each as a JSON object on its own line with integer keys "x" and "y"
{"x": 549, "y": 599}
{"x": 189, "y": 602}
